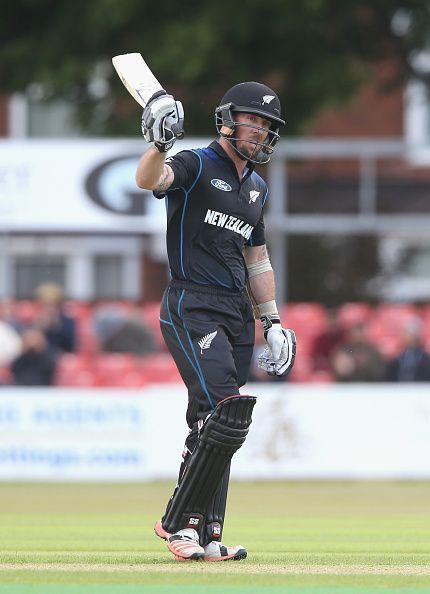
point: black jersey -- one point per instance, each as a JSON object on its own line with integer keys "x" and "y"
{"x": 211, "y": 216}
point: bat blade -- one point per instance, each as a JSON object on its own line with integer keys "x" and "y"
{"x": 136, "y": 76}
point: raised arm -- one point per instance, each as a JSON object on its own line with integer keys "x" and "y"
{"x": 162, "y": 124}
{"x": 153, "y": 173}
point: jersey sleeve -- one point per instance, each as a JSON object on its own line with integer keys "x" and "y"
{"x": 258, "y": 236}
{"x": 185, "y": 166}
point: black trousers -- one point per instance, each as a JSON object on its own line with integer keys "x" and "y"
{"x": 210, "y": 334}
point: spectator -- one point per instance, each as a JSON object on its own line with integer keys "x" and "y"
{"x": 413, "y": 364}
{"x": 357, "y": 360}
{"x": 121, "y": 332}
{"x": 58, "y": 327}
{"x": 37, "y": 362}
{"x": 326, "y": 342}
{"x": 7, "y": 314}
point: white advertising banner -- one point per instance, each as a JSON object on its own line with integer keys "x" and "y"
{"x": 109, "y": 434}
{"x": 298, "y": 431}
{"x": 338, "y": 431}
{"x": 84, "y": 185}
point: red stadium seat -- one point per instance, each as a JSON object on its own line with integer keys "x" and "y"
{"x": 151, "y": 317}
{"x": 112, "y": 368}
{"x": 85, "y": 378}
{"x": 396, "y": 315}
{"x": 77, "y": 309}
{"x": 5, "y": 376}
{"x": 76, "y": 370}
{"x": 387, "y": 325}
{"x": 302, "y": 371}
{"x": 131, "y": 379}
{"x": 26, "y": 311}
{"x": 307, "y": 318}
{"x": 159, "y": 367}
{"x": 350, "y": 314}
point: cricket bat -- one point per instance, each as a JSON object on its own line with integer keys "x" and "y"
{"x": 136, "y": 77}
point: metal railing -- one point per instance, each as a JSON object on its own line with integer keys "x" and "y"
{"x": 367, "y": 220}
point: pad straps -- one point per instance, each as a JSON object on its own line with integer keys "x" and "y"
{"x": 223, "y": 433}
{"x": 216, "y": 512}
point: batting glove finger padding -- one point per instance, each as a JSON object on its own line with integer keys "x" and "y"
{"x": 163, "y": 121}
{"x": 279, "y": 354}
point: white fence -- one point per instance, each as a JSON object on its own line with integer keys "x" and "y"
{"x": 314, "y": 431}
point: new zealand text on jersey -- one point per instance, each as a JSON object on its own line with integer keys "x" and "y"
{"x": 226, "y": 221}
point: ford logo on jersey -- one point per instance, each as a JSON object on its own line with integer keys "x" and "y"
{"x": 221, "y": 185}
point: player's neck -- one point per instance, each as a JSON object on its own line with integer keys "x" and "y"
{"x": 239, "y": 163}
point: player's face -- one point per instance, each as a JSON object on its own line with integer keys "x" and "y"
{"x": 254, "y": 129}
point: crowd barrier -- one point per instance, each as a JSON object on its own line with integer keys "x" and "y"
{"x": 378, "y": 431}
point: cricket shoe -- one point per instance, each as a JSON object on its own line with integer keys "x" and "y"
{"x": 216, "y": 551}
{"x": 184, "y": 545}
{"x": 160, "y": 532}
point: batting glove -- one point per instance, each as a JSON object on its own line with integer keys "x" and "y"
{"x": 163, "y": 121}
{"x": 279, "y": 354}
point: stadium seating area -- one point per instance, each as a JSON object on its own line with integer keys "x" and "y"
{"x": 88, "y": 366}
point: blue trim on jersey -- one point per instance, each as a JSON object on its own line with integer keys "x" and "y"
{"x": 199, "y": 172}
{"x": 265, "y": 196}
{"x": 181, "y": 245}
{"x": 181, "y": 236}
{"x": 211, "y": 153}
{"x": 180, "y": 302}
{"x": 165, "y": 322}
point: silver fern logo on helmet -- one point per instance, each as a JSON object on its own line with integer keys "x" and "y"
{"x": 268, "y": 98}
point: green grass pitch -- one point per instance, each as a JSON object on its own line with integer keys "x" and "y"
{"x": 302, "y": 537}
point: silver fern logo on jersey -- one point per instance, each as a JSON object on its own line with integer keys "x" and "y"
{"x": 220, "y": 184}
{"x": 206, "y": 341}
{"x": 253, "y": 195}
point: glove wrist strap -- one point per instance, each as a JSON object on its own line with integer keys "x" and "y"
{"x": 163, "y": 147}
{"x": 268, "y": 315}
{"x": 268, "y": 322}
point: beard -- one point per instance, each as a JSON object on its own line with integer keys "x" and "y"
{"x": 248, "y": 149}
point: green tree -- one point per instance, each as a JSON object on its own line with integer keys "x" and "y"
{"x": 311, "y": 51}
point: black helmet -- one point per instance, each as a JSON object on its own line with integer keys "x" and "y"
{"x": 256, "y": 98}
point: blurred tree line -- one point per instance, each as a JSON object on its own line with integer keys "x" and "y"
{"x": 312, "y": 52}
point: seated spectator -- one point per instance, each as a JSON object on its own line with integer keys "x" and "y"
{"x": 35, "y": 366}
{"x": 357, "y": 360}
{"x": 7, "y": 314}
{"x": 326, "y": 342}
{"x": 121, "y": 332}
{"x": 413, "y": 364}
{"x": 58, "y": 327}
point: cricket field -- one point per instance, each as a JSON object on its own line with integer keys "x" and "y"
{"x": 302, "y": 537}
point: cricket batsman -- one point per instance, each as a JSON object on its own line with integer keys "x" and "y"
{"x": 218, "y": 262}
